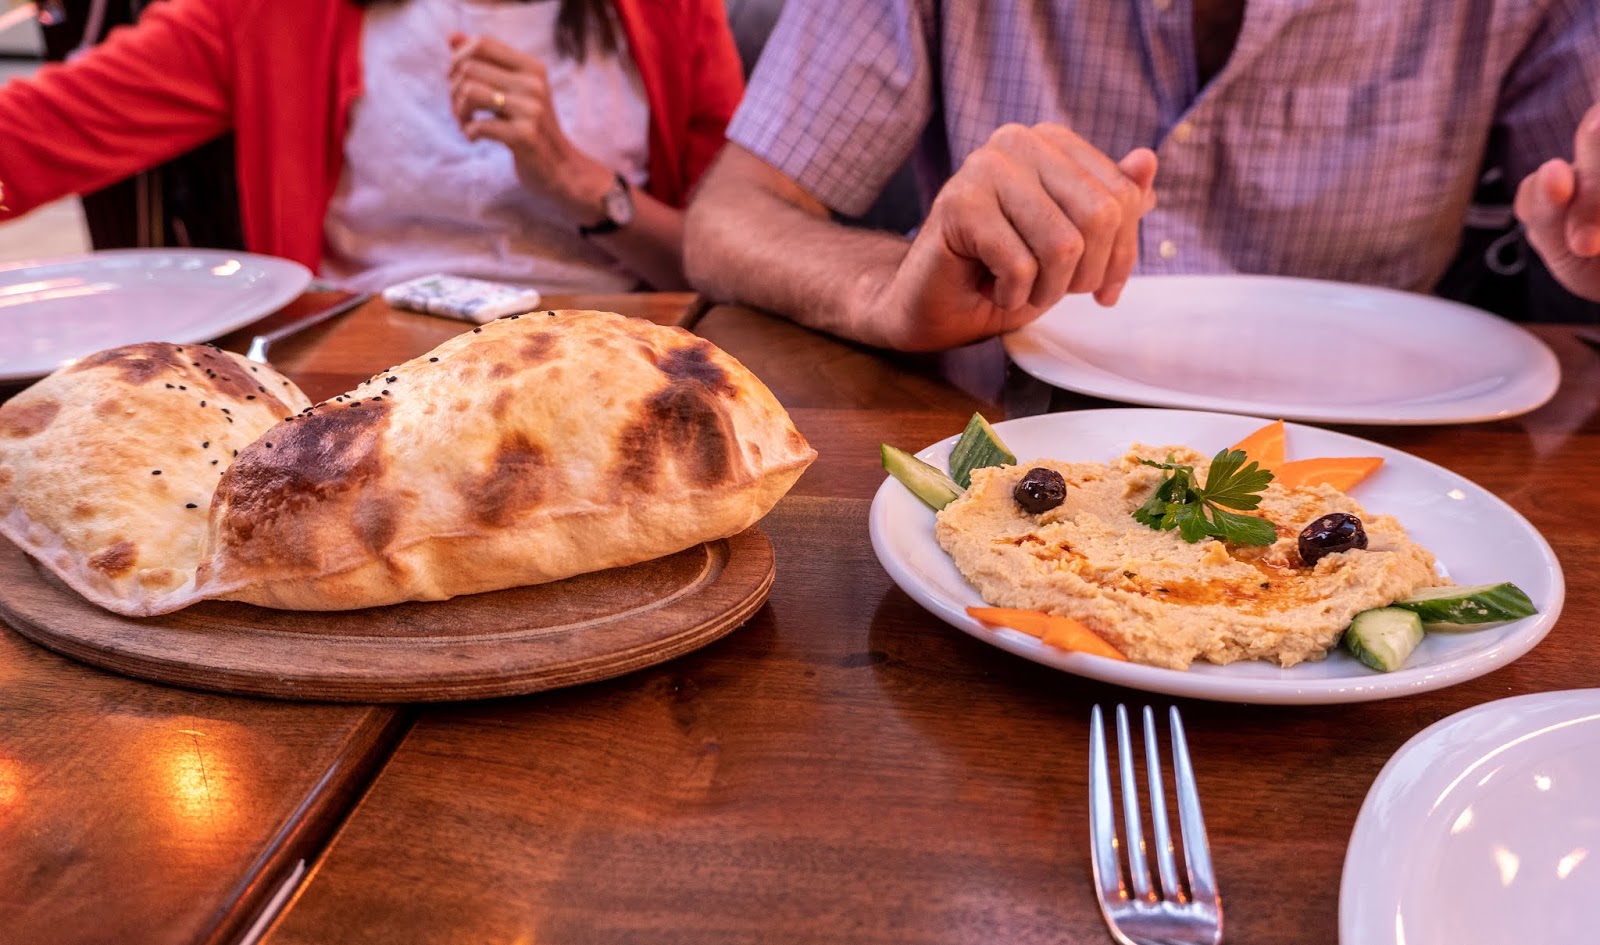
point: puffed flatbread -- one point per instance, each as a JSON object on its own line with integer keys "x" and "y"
{"x": 533, "y": 448}
{"x": 108, "y": 466}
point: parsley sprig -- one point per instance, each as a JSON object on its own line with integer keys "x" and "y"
{"x": 1198, "y": 511}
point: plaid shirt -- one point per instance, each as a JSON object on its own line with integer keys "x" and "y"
{"x": 1342, "y": 140}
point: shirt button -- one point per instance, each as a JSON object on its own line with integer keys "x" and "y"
{"x": 1182, "y": 132}
{"x": 1168, "y": 249}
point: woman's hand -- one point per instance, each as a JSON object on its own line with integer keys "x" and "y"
{"x": 501, "y": 94}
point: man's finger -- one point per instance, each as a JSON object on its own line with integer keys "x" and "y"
{"x": 1583, "y": 220}
{"x": 1139, "y": 166}
{"x": 973, "y": 227}
{"x": 1543, "y": 197}
{"x": 1056, "y": 244}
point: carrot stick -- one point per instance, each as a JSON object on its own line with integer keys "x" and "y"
{"x": 1057, "y": 631}
{"x": 1341, "y": 472}
{"x": 1265, "y": 446}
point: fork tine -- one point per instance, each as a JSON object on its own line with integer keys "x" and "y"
{"x": 1158, "y": 811}
{"x": 1132, "y": 823}
{"x": 1102, "y": 829}
{"x": 1196, "y": 847}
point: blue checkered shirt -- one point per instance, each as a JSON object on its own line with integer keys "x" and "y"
{"x": 1342, "y": 140}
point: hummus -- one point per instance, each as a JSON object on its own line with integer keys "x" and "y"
{"x": 1159, "y": 599}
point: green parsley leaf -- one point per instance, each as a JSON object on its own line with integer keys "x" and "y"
{"x": 1199, "y": 512}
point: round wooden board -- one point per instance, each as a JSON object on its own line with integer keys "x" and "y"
{"x": 504, "y": 643}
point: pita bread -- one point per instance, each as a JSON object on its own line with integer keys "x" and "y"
{"x": 107, "y": 466}
{"x": 533, "y": 448}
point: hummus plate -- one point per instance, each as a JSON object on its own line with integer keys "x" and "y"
{"x": 1476, "y": 537}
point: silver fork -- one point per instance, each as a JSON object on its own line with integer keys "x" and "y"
{"x": 1144, "y": 910}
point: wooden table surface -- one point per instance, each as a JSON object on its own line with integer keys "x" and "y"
{"x": 844, "y": 768}
{"x": 138, "y": 813}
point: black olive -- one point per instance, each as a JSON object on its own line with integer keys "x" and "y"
{"x": 1040, "y": 490}
{"x": 1336, "y": 531}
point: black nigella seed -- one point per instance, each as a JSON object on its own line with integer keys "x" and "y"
{"x": 169, "y": 387}
{"x": 391, "y": 379}
{"x": 253, "y": 370}
{"x": 477, "y": 331}
{"x": 249, "y": 396}
{"x": 214, "y": 462}
{"x": 226, "y": 410}
{"x": 260, "y": 389}
{"x": 236, "y": 452}
{"x": 269, "y": 446}
{"x": 230, "y": 419}
{"x": 191, "y": 505}
{"x": 181, "y": 387}
{"x": 551, "y": 314}
{"x": 202, "y": 403}
{"x": 206, "y": 445}
{"x": 155, "y": 472}
{"x": 433, "y": 359}
{"x": 383, "y": 394}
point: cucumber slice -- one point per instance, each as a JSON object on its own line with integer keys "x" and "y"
{"x": 1468, "y": 608}
{"x": 978, "y": 448}
{"x": 925, "y": 482}
{"x": 1382, "y": 638}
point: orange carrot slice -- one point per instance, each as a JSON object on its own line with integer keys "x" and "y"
{"x": 1341, "y": 472}
{"x": 1060, "y": 632}
{"x": 1265, "y": 446}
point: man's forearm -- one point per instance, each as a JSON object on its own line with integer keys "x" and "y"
{"x": 775, "y": 248}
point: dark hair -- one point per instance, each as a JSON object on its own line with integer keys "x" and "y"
{"x": 574, "y": 23}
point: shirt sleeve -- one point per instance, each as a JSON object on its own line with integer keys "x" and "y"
{"x": 719, "y": 84}
{"x": 148, "y": 93}
{"x": 840, "y": 96}
{"x": 1554, "y": 80}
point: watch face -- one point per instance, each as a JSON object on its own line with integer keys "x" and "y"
{"x": 619, "y": 204}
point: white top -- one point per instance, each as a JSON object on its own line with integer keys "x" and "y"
{"x": 416, "y": 197}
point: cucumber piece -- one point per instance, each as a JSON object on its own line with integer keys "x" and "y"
{"x": 978, "y": 448}
{"x": 1382, "y": 638}
{"x": 925, "y": 482}
{"x": 1468, "y": 608}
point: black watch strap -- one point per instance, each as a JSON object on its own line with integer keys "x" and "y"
{"x": 607, "y": 224}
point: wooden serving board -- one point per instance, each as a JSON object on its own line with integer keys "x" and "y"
{"x": 504, "y": 643}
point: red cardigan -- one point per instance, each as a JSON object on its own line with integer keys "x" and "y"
{"x": 282, "y": 74}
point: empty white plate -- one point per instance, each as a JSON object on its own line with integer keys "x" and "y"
{"x": 1298, "y": 349}
{"x": 1484, "y": 829}
{"x": 54, "y": 311}
{"x": 1477, "y": 538}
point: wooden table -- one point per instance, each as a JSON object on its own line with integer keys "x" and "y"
{"x": 137, "y": 813}
{"x": 844, "y": 768}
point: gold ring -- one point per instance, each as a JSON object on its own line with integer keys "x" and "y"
{"x": 498, "y": 103}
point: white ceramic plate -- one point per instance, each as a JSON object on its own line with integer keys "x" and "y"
{"x": 1484, "y": 829}
{"x": 1477, "y": 538}
{"x": 1299, "y": 349}
{"x": 53, "y": 311}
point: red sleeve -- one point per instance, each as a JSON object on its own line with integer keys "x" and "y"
{"x": 717, "y": 85}
{"x": 148, "y": 93}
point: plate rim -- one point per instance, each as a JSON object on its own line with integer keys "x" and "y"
{"x": 1524, "y": 713}
{"x": 295, "y": 278}
{"x": 1181, "y": 683}
{"x": 1025, "y": 349}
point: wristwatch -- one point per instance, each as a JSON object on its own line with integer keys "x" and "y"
{"x": 617, "y": 205}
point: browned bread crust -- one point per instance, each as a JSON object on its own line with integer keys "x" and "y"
{"x": 107, "y": 466}
{"x": 527, "y": 450}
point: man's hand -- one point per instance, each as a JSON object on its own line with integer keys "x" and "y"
{"x": 1559, "y": 204}
{"x": 1034, "y": 214}
{"x": 501, "y": 94}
